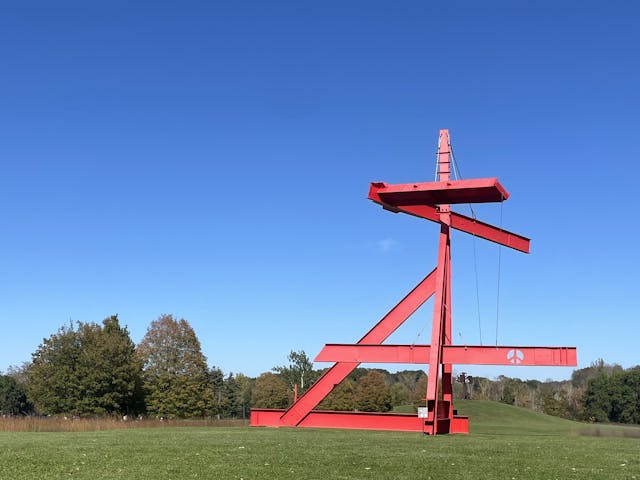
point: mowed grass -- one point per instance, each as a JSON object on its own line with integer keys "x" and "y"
{"x": 505, "y": 443}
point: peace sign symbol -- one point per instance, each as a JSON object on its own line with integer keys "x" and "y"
{"x": 515, "y": 356}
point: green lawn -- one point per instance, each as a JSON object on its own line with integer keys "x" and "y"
{"x": 505, "y": 443}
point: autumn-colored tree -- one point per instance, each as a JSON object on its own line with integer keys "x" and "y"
{"x": 88, "y": 370}
{"x": 419, "y": 394}
{"x": 175, "y": 374}
{"x": 270, "y": 391}
{"x": 372, "y": 393}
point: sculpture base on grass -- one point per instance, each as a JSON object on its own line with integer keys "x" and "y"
{"x": 402, "y": 422}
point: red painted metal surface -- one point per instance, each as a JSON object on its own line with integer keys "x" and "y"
{"x": 462, "y": 223}
{"x": 455, "y": 354}
{"x": 354, "y": 420}
{"x": 430, "y": 201}
{"x": 439, "y": 393}
{"x": 437, "y": 193}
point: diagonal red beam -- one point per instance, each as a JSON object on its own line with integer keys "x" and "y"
{"x": 455, "y": 354}
{"x": 486, "y": 231}
{"x": 462, "y": 223}
{"x": 385, "y": 327}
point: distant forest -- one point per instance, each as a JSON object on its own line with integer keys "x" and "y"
{"x": 91, "y": 369}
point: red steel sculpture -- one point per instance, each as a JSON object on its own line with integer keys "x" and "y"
{"x": 431, "y": 201}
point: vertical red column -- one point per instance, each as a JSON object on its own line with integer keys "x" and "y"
{"x": 444, "y": 156}
{"x": 447, "y": 368}
{"x": 441, "y": 325}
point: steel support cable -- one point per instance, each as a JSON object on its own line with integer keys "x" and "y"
{"x": 435, "y": 179}
{"x": 415, "y": 340}
{"x": 499, "y": 273}
{"x": 475, "y": 268}
{"x": 456, "y": 170}
{"x": 473, "y": 215}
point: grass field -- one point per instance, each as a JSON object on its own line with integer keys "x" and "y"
{"x": 505, "y": 443}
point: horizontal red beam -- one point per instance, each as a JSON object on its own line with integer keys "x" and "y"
{"x": 462, "y": 223}
{"x": 477, "y": 190}
{"x": 263, "y": 417}
{"x": 374, "y": 353}
{"x": 451, "y": 354}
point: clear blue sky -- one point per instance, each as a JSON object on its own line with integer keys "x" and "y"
{"x": 212, "y": 160}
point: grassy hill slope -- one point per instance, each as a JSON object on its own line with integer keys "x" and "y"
{"x": 486, "y": 417}
{"x": 498, "y": 418}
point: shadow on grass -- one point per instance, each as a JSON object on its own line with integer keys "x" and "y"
{"x": 623, "y": 431}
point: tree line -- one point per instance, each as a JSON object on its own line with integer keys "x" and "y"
{"x": 91, "y": 369}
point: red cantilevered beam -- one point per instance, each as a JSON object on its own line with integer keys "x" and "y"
{"x": 459, "y": 222}
{"x": 477, "y": 190}
{"x": 474, "y": 227}
{"x": 454, "y": 354}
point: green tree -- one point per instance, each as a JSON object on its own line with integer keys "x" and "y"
{"x": 232, "y": 393}
{"x": 13, "y": 397}
{"x": 237, "y": 391}
{"x": 20, "y": 373}
{"x": 631, "y": 385}
{"x": 88, "y": 370}
{"x": 109, "y": 369}
{"x": 553, "y": 405}
{"x": 400, "y": 394}
{"x": 372, "y": 393}
{"x": 220, "y": 400}
{"x": 508, "y": 391}
{"x": 342, "y": 397}
{"x": 270, "y": 391}
{"x": 601, "y": 393}
{"x": 408, "y": 378}
{"x": 54, "y": 385}
{"x": 580, "y": 378}
{"x": 299, "y": 371}
{"x": 244, "y": 390}
{"x": 175, "y": 374}
{"x": 357, "y": 373}
{"x": 625, "y": 389}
